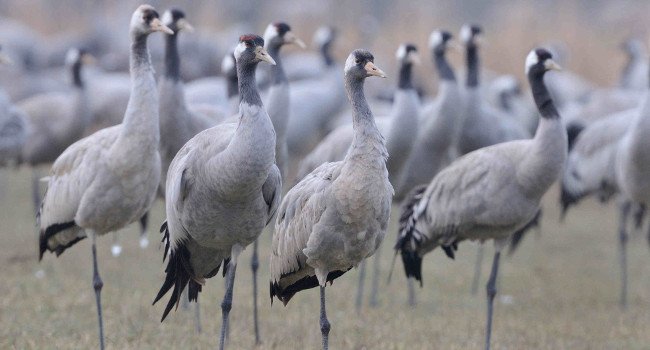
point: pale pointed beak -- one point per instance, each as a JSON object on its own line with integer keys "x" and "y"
{"x": 290, "y": 38}
{"x": 373, "y": 70}
{"x": 157, "y": 26}
{"x": 262, "y": 55}
{"x": 414, "y": 58}
{"x": 4, "y": 59}
{"x": 88, "y": 59}
{"x": 549, "y": 64}
{"x": 184, "y": 25}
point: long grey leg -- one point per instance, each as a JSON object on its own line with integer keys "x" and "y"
{"x": 374, "y": 286}
{"x": 97, "y": 285}
{"x": 477, "y": 268}
{"x": 197, "y": 317}
{"x": 622, "y": 235}
{"x": 491, "y": 292}
{"x": 144, "y": 224}
{"x": 362, "y": 278}
{"x": 411, "y": 292}
{"x": 36, "y": 193}
{"x": 255, "y": 264}
{"x": 226, "y": 305}
{"x": 324, "y": 323}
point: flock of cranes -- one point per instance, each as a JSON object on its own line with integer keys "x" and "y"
{"x": 229, "y": 155}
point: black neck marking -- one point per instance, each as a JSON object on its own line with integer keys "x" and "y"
{"x": 405, "y": 81}
{"x": 172, "y": 58}
{"x": 77, "y": 81}
{"x": 442, "y": 66}
{"x": 541, "y": 96}
{"x": 472, "y": 65}
{"x": 278, "y": 75}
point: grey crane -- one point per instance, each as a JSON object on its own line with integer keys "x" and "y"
{"x": 441, "y": 121}
{"x": 55, "y": 120}
{"x": 635, "y": 73}
{"x": 223, "y": 188}
{"x": 338, "y": 214}
{"x": 108, "y": 179}
{"x": 632, "y": 172}
{"x": 488, "y": 193}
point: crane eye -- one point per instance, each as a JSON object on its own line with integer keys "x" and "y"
{"x": 357, "y": 61}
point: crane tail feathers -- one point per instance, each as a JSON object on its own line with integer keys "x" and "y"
{"x": 518, "y": 236}
{"x": 59, "y": 237}
{"x": 178, "y": 275}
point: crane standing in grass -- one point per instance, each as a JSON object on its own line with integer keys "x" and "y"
{"x": 109, "y": 179}
{"x": 489, "y": 193}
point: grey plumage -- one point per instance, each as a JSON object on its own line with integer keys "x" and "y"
{"x": 99, "y": 184}
{"x": 488, "y": 193}
{"x": 338, "y": 214}
{"x": 222, "y": 189}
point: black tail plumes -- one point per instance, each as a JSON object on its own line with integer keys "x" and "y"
{"x": 516, "y": 238}
{"x": 178, "y": 274}
{"x": 408, "y": 237}
{"x": 52, "y": 231}
{"x": 573, "y": 131}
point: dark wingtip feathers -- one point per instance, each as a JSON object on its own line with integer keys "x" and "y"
{"x": 178, "y": 275}
{"x": 517, "y": 237}
{"x": 404, "y": 245}
{"x": 51, "y": 231}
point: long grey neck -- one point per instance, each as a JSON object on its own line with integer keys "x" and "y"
{"x": 247, "y": 89}
{"x": 542, "y": 97}
{"x": 172, "y": 59}
{"x": 327, "y": 56}
{"x": 141, "y": 117}
{"x": 442, "y": 66}
{"x": 278, "y": 75}
{"x": 405, "y": 81}
{"x": 367, "y": 142}
{"x": 472, "y": 65}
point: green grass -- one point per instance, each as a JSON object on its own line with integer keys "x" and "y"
{"x": 563, "y": 284}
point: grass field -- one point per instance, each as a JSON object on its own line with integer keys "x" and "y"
{"x": 560, "y": 291}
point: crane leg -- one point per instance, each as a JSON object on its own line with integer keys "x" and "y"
{"x": 255, "y": 264}
{"x": 197, "y": 317}
{"x": 623, "y": 237}
{"x": 97, "y": 286}
{"x": 226, "y": 304}
{"x": 362, "y": 278}
{"x": 144, "y": 224}
{"x": 477, "y": 268}
{"x": 411, "y": 292}
{"x": 374, "y": 286}
{"x": 36, "y": 193}
{"x": 491, "y": 290}
{"x": 324, "y": 323}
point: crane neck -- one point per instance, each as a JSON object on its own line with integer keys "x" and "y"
{"x": 247, "y": 86}
{"x": 405, "y": 81}
{"x": 172, "y": 58}
{"x": 367, "y": 143}
{"x": 541, "y": 96}
{"x": 473, "y": 63}
{"x": 278, "y": 75}
{"x": 77, "y": 80}
{"x": 327, "y": 56}
{"x": 442, "y": 65}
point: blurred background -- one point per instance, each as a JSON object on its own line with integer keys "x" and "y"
{"x": 590, "y": 32}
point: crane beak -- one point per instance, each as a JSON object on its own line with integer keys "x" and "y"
{"x": 184, "y": 25}
{"x": 4, "y": 59}
{"x": 549, "y": 64}
{"x": 88, "y": 59}
{"x": 262, "y": 55}
{"x": 291, "y": 38}
{"x": 373, "y": 70}
{"x": 157, "y": 26}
